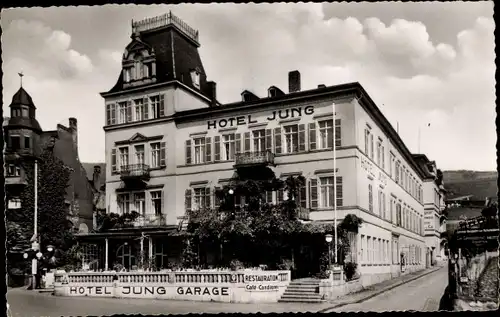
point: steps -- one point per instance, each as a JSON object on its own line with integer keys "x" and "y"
{"x": 302, "y": 291}
{"x": 46, "y": 290}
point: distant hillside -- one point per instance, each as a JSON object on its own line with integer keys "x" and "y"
{"x": 479, "y": 184}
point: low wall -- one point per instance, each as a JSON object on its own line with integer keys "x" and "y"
{"x": 224, "y": 286}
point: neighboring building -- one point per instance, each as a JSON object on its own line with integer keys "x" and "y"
{"x": 170, "y": 143}
{"x": 97, "y": 181}
{"x": 434, "y": 205}
{"x": 25, "y": 141}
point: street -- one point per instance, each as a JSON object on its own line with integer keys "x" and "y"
{"x": 28, "y": 303}
{"x": 422, "y": 294}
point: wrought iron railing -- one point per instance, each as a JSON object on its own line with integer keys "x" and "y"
{"x": 257, "y": 157}
{"x": 134, "y": 170}
{"x": 150, "y": 221}
{"x": 303, "y": 213}
{"x": 164, "y": 20}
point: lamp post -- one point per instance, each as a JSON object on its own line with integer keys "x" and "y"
{"x": 335, "y": 182}
{"x": 328, "y": 239}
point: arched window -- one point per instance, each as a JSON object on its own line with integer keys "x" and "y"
{"x": 125, "y": 256}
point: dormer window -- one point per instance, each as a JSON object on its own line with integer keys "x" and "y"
{"x": 272, "y": 92}
{"x": 195, "y": 77}
{"x": 245, "y": 96}
{"x": 127, "y": 74}
{"x": 25, "y": 112}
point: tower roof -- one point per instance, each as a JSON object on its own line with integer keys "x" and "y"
{"x": 175, "y": 46}
{"x": 21, "y": 97}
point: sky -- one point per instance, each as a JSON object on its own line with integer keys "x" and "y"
{"x": 422, "y": 63}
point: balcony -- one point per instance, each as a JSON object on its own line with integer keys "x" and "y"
{"x": 135, "y": 172}
{"x": 259, "y": 158}
{"x": 150, "y": 221}
{"x": 14, "y": 181}
{"x": 303, "y": 213}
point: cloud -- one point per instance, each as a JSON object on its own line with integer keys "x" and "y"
{"x": 420, "y": 62}
{"x": 53, "y": 49}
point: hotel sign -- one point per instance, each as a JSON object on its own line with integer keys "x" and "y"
{"x": 296, "y": 112}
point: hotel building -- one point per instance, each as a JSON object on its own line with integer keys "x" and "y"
{"x": 170, "y": 143}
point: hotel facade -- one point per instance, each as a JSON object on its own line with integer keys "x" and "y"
{"x": 170, "y": 144}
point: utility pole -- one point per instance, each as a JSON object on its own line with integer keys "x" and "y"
{"x": 335, "y": 184}
{"x": 35, "y": 244}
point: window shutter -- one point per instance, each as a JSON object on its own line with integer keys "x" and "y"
{"x": 277, "y": 140}
{"x": 247, "y": 142}
{"x": 313, "y": 192}
{"x": 302, "y": 137}
{"x": 312, "y": 136}
{"x": 217, "y": 148}
{"x": 338, "y": 133}
{"x": 108, "y": 114}
{"x": 146, "y": 107}
{"x": 163, "y": 154}
{"x": 113, "y": 161}
{"x": 269, "y": 197}
{"x": 188, "y": 152}
{"x": 187, "y": 196}
{"x": 339, "y": 192}
{"x": 216, "y": 199}
{"x": 208, "y": 204}
{"x": 269, "y": 140}
{"x": 237, "y": 141}
{"x": 129, "y": 111}
{"x": 208, "y": 149}
{"x": 303, "y": 196}
{"x": 113, "y": 113}
{"x": 162, "y": 106}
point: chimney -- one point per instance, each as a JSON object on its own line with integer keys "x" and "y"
{"x": 96, "y": 177}
{"x": 74, "y": 133}
{"x": 212, "y": 91}
{"x": 293, "y": 81}
{"x": 321, "y": 86}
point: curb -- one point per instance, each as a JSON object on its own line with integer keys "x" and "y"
{"x": 378, "y": 292}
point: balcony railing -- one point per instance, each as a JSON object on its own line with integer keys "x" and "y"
{"x": 15, "y": 181}
{"x": 135, "y": 171}
{"x": 303, "y": 213}
{"x": 254, "y": 158}
{"x": 150, "y": 221}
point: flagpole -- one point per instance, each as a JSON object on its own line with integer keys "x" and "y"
{"x": 335, "y": 184}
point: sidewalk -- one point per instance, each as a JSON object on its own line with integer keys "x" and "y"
{"x": 377, "y": 289}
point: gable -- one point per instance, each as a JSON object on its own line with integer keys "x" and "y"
{"x": 134, "y": 47}
{"x": 137, "y": 138}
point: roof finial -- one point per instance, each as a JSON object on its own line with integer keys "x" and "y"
{"x": 21, "y": 77}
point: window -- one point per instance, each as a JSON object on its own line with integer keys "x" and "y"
{"x": 27, "y": 143}
{"x": 140, "y": 203}
{"x": 195, "y": 77}
{"x": 370, "y": 198}
{"x": 379, "y": 152}
{"x": 140, "y": 110}
{"x": 259, "y": 140}
{"x": 228, "y": 147}
{"x": 367, "y": 141}
{"x": 14, "y": 203}
{"x": 363, "y": 248}
{"x": 123, "y": 157}
{"x": 155, "y": 154}
{"x": 155, "y": 107}
{"x": 326, "y": 191}
{"x": 122, "y": 112}
{"x": 25, "y": 112}
{"x": 398, "y": 214}
{"x": 391, "y": 165}
{"x": 199, "y": 150}
{"x": 139, "y": 154}
{"x": 160, "y": 255}
{"x": 382, "y": 163}
{"x": 124, "y": 203}
{"x": 127, "y": 74}
{"x": 397, "y": 172}
{"x": 13, "y": 170}
{"x": 201, "y": 198}
{"x": 15, "y": 142}
{"x": 156, "y": 202}
{"x": 395, "y": 251}
{"x": 148, "y": 69}
{"x": 291, "y": 139}
{"x": 325, "y": 134}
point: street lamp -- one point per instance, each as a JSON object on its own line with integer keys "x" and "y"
{"x": 231, "y": 191}
{"x": 329, "y": 239}
{"x": 50, "y": 248}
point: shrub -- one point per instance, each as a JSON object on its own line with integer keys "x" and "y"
{"x": 350, "y": 270}
{"x": 285, "y": 264}
{"x": 235, "y": 265}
